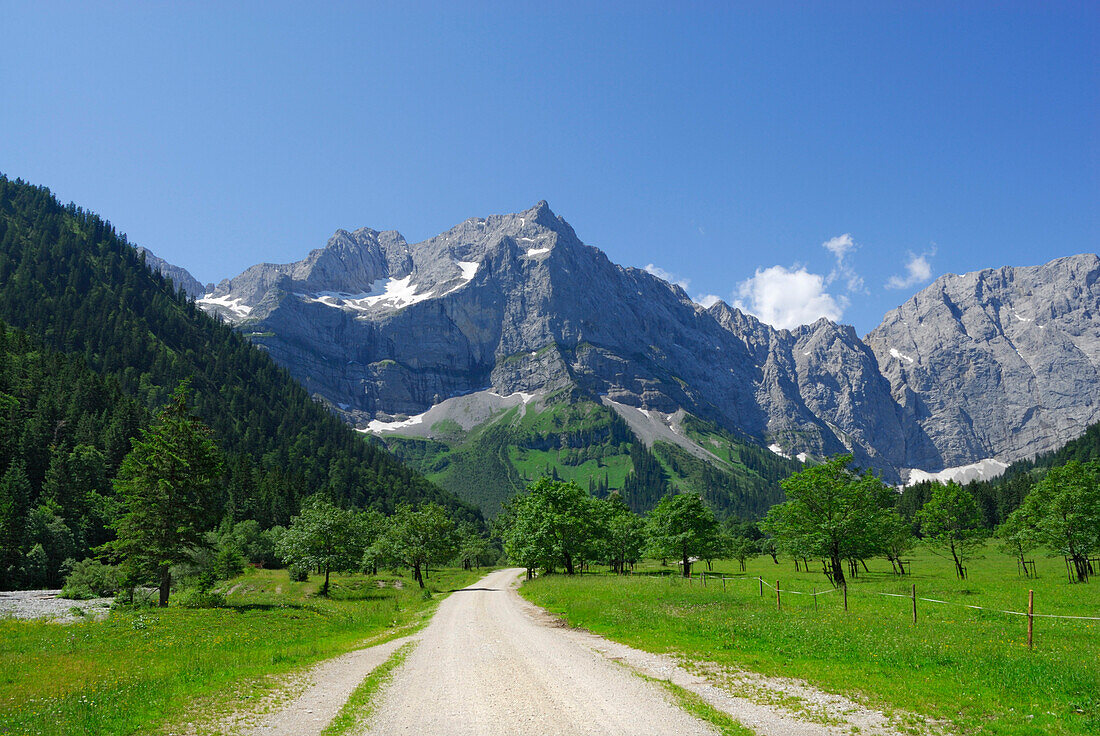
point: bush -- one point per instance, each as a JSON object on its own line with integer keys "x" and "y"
{"x": 137, "y": 597}
{"x": 258, "y": 546}
{"x": 298, "y": 574}
{"x": 195, "y": 598}
{"x": 89, "y": 579}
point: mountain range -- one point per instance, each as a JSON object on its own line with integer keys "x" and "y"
{"x": 513, "y": 315}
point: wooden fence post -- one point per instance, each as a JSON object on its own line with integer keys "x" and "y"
{"x": 914, "y": 602}
{"x": 704, "y": 580}
{"x": 778, "y": 600}
{"x": 815, "y": 598}
{"x": 1030, "y": 616}
{"x": 845, "y": 587}
{"x": 761, "y": 585}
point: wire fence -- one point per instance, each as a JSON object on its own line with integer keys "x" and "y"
{"x": 912, "y": 596}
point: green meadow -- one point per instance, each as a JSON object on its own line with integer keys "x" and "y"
{"x": 142, "y": 669}
{"x": 968, "y": 669}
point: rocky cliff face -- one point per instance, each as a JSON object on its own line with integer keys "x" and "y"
{"x": 998, "y": 363}
{"x": 181, "y": 276}
{"x": 517, "y": 303}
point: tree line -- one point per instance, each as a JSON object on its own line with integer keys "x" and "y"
{"x": 557, "y": 525}
{"x": 844, "y": 517}
{"x": 70, "y": 280}
{"x": 834, "y": 514}
{"x": 166, "y": 520}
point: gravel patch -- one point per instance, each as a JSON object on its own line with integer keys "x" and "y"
{"x": 29, "y": 604}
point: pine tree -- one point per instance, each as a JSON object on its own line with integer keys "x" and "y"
{"x": 15, "y": 491}
{"x": 168, "y": 487}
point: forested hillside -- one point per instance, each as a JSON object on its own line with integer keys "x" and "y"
{"x": 63, "y": 432}
{"x": 72, "y": 282}
{"x": 999, "y": 497}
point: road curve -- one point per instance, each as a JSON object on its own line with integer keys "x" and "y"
{"x": 485, "y": 665}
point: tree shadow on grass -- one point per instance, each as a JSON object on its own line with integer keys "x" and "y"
{"x": 270, "y": 606}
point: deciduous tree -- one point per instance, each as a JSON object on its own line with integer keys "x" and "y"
{"x": 831, "y": 512}
{"x": 322, "y": 537}
{"x": 625, "y": 533}
{"x": 1062, "y": 513}
{"x": 420, "y": 537}
{"x": 682, "y": 526}
{"x": 950, "y": 519}
{"x": 553, "y": 524}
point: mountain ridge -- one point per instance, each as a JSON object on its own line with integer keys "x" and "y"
{"x": 518, "y": 304}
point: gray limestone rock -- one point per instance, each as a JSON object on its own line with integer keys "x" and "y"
{"x": 995, "y": 364}
{"x": 181, "y": 276}
{"x": 1000, "y": 363}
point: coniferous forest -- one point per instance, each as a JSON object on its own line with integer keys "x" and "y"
{"x": 100, "y": 341}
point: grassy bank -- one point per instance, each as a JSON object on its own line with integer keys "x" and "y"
{"x": 967, "y": 667}
{"x": 138, "y": 669}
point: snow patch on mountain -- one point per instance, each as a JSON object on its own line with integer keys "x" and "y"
{"x": 469, "y": 269}
{"x": 986, "y": 469}
{"x": 378, "y": 426}
{"x": 396, "y": 293}
{"x": 236, "y": 307}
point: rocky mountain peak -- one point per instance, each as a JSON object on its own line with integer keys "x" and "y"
{"x": 1000, "y": 363}
{"x": 180, "y": 276}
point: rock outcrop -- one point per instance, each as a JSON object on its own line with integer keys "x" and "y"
{"x": 180, "y": 276}
{"x": 1000, "y": 363}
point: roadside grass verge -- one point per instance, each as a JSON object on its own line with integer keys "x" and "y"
{"x": 966, "y": 668}
{"x": 704, "y": 711}
{"x": 140, "y": 669}
{"x": 358, "y": 709}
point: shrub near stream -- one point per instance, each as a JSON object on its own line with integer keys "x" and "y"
{"x": 140, "y": 668}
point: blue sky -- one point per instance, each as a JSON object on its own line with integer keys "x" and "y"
{"x": 724, "y": 143}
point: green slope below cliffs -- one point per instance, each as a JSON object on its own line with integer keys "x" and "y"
{"x": 591, "y": 444}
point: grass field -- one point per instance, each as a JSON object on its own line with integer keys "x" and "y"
{"x": 140, "y": 669}
{"x": 970, "y": 669}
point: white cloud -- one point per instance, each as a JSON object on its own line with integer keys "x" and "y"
{"x": 668, "y": 276}
{"x": 707, "y": 300}
{"x": 840, "y": 247}
{"x": 917, "y": 270}
{"x": 786, "y": 298}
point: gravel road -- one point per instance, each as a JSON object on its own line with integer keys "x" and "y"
{"x": 484, "y": 665}
{"x": 331, "y": 684}
{"x": 490, "y": 663}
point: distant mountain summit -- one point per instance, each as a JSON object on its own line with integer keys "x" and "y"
{"x": 996, "y": 364}
{"x": 180, "y": 276}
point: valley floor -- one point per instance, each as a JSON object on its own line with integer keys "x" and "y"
{"x": 963, "y": 667}
{"x": 490, "y": 663}
{"x": 680, "y": 658}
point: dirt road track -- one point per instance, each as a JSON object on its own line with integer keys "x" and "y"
{"x": 490, "y": 663}
{"x": 485, "y": 666}
{"x": 332, "y": 683}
